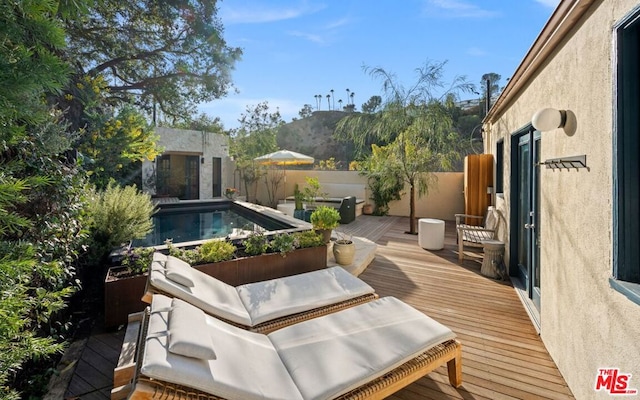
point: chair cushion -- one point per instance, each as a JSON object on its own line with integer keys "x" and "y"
{"x": 331, "y": 355}
{"x": 268, "y": 300}
{"x": 211, "y": 295}
{"x": 178, "y": 271}
{"x": 188, "y": 333}
{"x": 246, "y": 365}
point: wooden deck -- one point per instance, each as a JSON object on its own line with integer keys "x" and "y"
{"x": 503, "y": 357}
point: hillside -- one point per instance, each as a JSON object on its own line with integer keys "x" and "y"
{"x": 313, "y": 136}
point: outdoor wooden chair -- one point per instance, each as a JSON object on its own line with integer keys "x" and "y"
{"x": 474, "y": 235}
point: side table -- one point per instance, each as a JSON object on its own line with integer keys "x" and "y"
{"x": 431, "y": 233}
{"x": 492, "y": 263}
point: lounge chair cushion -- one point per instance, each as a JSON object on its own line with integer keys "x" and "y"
{"x": 178, "y": 271}
{"x": 209, "y": 294}
{"x": 314, "y": 360}
{"x": 255, "y": 303}
{"x": 188, "y": 332}
{"x": 335, "y": 354}
{"x": 246, "y": 367}
{"x": 268, "y": 300}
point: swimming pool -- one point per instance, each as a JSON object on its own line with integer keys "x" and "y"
{"x": 189, "y": 223}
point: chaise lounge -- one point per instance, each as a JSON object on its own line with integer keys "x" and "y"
{"x": 261, "y": 306}
{"x": 365, "y": 352}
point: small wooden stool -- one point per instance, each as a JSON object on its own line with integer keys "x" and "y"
{"x": 493, "y": 262}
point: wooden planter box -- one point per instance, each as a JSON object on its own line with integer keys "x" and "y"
{"x": 267, "y": 266}
{"x": 123, "y": 296}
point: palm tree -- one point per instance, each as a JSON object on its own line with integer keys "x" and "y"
{"x": 348, "y": 95}
{"x": 352, "y": 96}
{"x": 333, "y": 99}
{"x": 340, "y": 103}
{"x": 414, "y": 129}
{"x": 328, "y": 103}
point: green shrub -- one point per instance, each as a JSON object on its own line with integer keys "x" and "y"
{"x": 216, "y": 251}
{"x": 118, "y": 215}
{"x": 283, "y": 243}
{"x": 255, "y": 244}
{"x": 138, "y": 259}
{"x": 190, "y": 256}
{"x": 308, "y": 239}
{"x": 325, "y": 218}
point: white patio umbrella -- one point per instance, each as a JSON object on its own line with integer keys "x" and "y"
{"x": 284, "y": 158}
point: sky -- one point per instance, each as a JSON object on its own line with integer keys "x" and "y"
{"x": 296, "y": 49}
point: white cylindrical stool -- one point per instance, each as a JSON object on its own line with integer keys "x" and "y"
{"x": 492, "y": 263}
{"x": 431, "y": 233}
{"x": 287, "y": 208}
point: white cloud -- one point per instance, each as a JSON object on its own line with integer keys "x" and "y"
{"x": 312, "y": 37}
{"x": 457, "y": 9}
{"x": 549, "y": 3}
{"x": 257, "y": 13}
{"x": 476, "y": 52}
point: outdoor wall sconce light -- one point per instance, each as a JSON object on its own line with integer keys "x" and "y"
{"x": 548, "y": 119}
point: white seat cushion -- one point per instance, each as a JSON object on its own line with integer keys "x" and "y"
{"x": 290, "y": 295}
{"x": 336, "y": 353}
{"x": 246, "y": 367}
{"x": 209, "y": 294}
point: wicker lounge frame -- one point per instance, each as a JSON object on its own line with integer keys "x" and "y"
{"x": 275, "y": 323}
{"x": 130, "y": 383}
{"x": 278, "y": 323}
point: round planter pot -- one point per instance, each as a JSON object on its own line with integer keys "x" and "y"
{"x": 367, "y": 209}
{"x": 326, "y": 234}
{"x": 344, "y": 252}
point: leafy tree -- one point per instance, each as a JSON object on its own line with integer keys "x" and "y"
{"x": 306, "y": 111}
{"x": 165, "y": 54}
{"x": 494, "y": 89}
{"x": 414, "y": 126}
{"x": 41, "y": 197}
{"x": 256, "y": 136}
{"x": 203, "y": 122}
{"x": 372, "y": 104}
{"x": 114, "y": 146}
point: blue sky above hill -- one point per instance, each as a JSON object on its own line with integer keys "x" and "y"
{"x": 294, "y": 50}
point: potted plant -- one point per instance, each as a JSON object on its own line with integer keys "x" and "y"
{"x": 324, "y": 219}
{"x": 344, "y": 250}
{"x": 298, "y": 197}
{"x": 230, "y": 193}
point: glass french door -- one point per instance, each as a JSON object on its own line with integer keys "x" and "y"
{"x": 526, "y": 218}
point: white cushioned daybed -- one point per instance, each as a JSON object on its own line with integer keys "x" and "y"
{"x": 367, "y": 351}
{"x": 260, "y": 306}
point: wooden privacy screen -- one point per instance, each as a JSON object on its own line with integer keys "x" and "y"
{"x": 478, "y": 176}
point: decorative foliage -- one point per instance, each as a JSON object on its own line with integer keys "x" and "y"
{"x": 119, "y": 215}
{"x": 216, "y": 251}
{"x": 284, "y": 243}
{"x": 138, "y": 259}
{"x": 325, "y": 217}
{"x": 257, "y": 243}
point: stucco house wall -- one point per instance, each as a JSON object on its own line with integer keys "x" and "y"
{"x": 584, "y": 323}
{"x": 207, "y": 145}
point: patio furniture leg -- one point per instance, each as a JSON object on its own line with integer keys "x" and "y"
{"x": 454, "y": 367}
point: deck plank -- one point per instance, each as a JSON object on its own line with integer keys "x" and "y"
{"x": 503, "y": 356}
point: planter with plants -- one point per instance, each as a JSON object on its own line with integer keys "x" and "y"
{"x": 344, "y": 250}
{"x": 259, "y": 257}
{"x": 124, "y": 286}
{"x": 324, "y": 219}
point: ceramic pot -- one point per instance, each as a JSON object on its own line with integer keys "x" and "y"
{"x": 344, "y": 251}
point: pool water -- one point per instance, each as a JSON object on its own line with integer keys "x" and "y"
{"x": 188, "y": 226}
